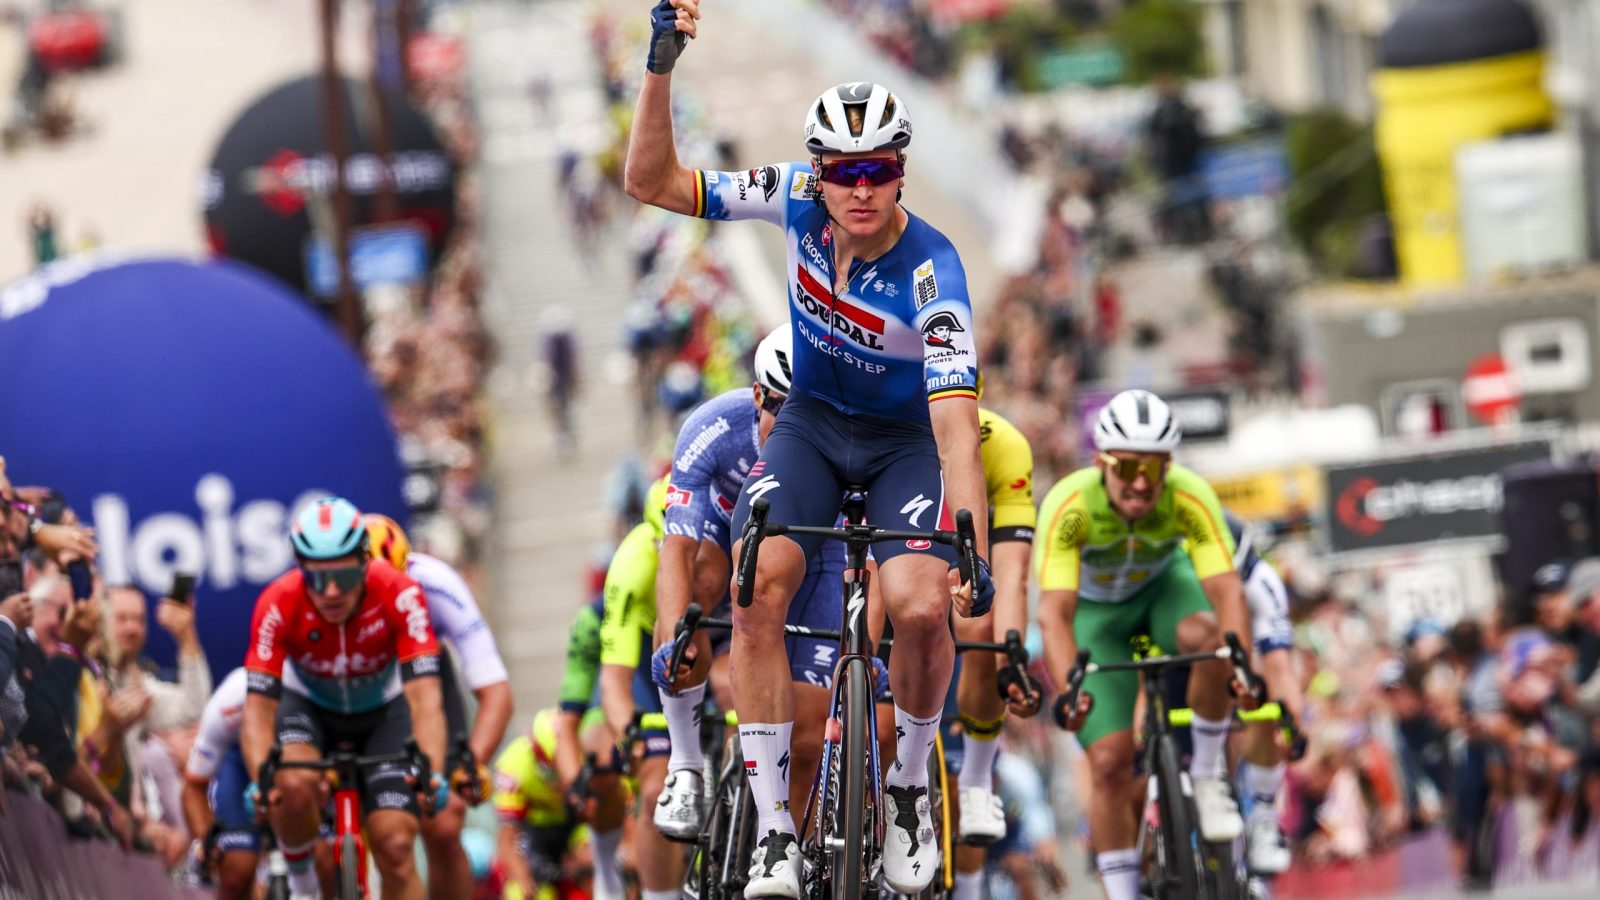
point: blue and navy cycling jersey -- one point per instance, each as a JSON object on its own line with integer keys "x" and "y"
{"x": 717, "y": 445}
{"x": 1244, "y": 551}
{"x": 898, "y": 336}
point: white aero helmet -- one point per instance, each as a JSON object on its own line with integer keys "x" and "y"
{"x": 1138, "y": 421}
{"x": 774, "y": 360}
{"x": 857, "y": 117}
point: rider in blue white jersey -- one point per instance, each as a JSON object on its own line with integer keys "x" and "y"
{"x": 717, "y": 446}
{"x": 1261, "y": 776}
{"x": 885, "y": 396}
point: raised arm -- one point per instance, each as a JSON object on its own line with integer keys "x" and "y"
{"x": 653, "y": 173}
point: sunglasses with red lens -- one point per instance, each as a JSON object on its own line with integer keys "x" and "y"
{"x": 851, "y": 172}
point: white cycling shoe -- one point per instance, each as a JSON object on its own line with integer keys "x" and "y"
{"x": 983, "y": 817}
{"x": 1219, "y": 814}
{"x": 775, "y": 868}
{"x": 910, "y": 854}
{"x": 678, "y": 813}
{"x": 1269, "y": 855}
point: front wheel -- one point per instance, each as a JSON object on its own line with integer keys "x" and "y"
{"x": 848, "y": 849}
{"x": 349, "y": 868}
{"x": 1177, "y": 872}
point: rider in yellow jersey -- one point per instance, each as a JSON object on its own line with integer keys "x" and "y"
{"x": 536, "y": 831}
{"x": 1008, "y": 480}
{"x": 625, "y": 686}
{"x": 1111, "y": 564}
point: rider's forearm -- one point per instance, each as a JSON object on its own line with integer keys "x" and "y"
{"x": 494, "y": 713}
{"x": 652, "y": 163}
{"x": 426, "y": 702}
{"x": 569, "y": 747}
{"x": 955, "y": 431}
{"x": 1056, "y": 611}
{"x": 1226, "y": 594}
{"x": 257, "y": 732}
{"x": 674, "y": 580}
{"x": 196, "y": 811}
{"x": 1009, "y": 561}
{"x": 616, "y": 696}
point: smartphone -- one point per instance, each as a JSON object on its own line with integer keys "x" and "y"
{"x": 10, "y": 578}
{"x": 82, "y": 579}
{"x": 182, "y": 587}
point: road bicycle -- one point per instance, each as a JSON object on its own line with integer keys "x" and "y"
{"x": 344, "y": 768}
{"x": 1183, "y": 865}
{"x": 842, "y": 846}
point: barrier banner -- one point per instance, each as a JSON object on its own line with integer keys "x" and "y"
{"x": 184, "y": 410}
{"x": 39, "y": 859}
{"x": 1428, "y": 497}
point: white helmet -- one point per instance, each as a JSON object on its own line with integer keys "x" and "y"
{"x": 1138, "y": 421}
{"x": 774, "y": 369}
{"x": 857, "y": 117}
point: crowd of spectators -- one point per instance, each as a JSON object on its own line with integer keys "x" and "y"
{"x": 430, "y": 352}
{"x": 86, "y": 720}
{"x": 1480, "y": 740}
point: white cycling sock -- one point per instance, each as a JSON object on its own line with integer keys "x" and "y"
{"x": 766, "y": 767}
{"x": 969, "y": 885}
{"x": 1262, "y": 784}
{"x": 674, "y": 894}
{"x": 1209, "y": 737}
{"x": 977, "y": 760}
{"x": 914, "y": 741}
{"x": 607, "y": 874}
{"x": 304, "y": 884}
{"x": 1119, "y": 873}
{"x": 683, "y": 727}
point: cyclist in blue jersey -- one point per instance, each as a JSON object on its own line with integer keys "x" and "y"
{"x": 884, "y": 395}
{"x": 717, "y": 446}
{"x": 1261, "y": 775}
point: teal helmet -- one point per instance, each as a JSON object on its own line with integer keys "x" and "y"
{"x": 329, "y": 528}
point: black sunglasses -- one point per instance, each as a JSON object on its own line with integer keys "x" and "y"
{"x": 345, "y": 578}
{"x": 772, "y": 401}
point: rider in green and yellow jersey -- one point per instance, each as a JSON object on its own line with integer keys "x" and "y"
{"x": 1137, "y": 544}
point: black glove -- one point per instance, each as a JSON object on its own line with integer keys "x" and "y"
{"x": 666, "y": 41}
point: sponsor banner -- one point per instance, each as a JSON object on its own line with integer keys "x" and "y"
{"x": 1204, "y": 414}
{"x": 1275, "y": 494}
{"x": 185, "y": 410}
{"x": 1421, "y": 498}
{"x": 270, "y": 172}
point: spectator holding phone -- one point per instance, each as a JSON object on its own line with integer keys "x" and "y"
{"x": 175, "y": 705}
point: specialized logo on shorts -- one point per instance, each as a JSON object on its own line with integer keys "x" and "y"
{"x": 761, "y": 486}
{"x": 924, "y": 287}
{"x": 916, "y": 506}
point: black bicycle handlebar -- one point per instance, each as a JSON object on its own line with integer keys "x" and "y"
{"x": 681, "y": 636}
{"x": 824, "y": 634}
{"x": 1239, "y": 660}
{"x": 964, "y": 539}
{"x": 412, "y": 756}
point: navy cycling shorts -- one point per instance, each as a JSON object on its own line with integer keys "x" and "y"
{"x": 814, "y": 451}
{"x": 237, "y": 830}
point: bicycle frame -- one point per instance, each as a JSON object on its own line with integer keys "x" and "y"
{"x": 855, "y": 651}
{"x": 346, "y": 767}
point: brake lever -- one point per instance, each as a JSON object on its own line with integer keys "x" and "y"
{"x": 1240, "y": 661}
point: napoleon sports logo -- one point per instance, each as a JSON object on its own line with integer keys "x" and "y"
{"x": 228, "y": 545}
